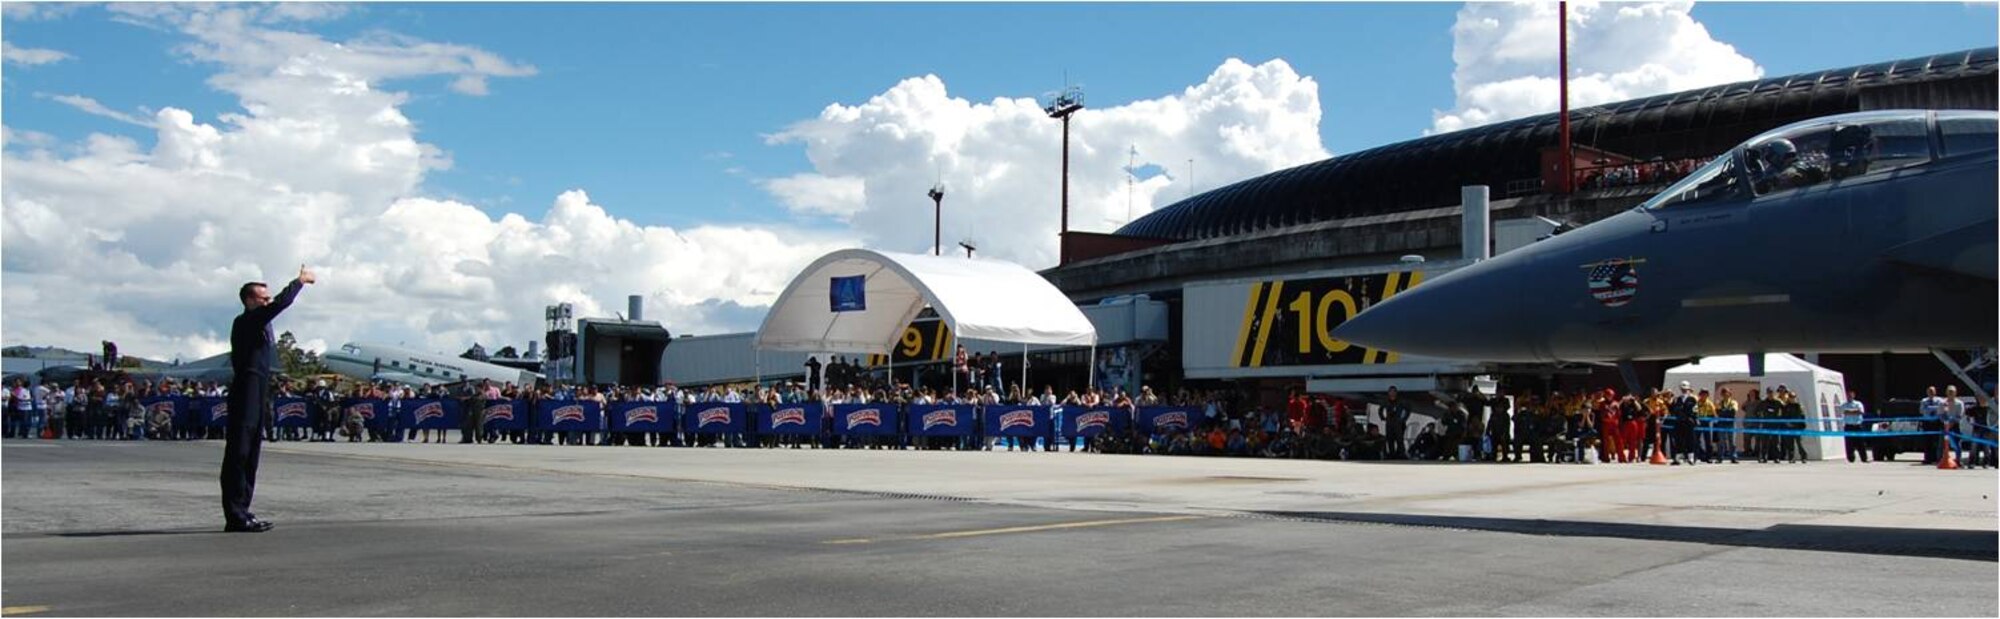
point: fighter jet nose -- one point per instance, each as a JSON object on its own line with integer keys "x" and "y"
{"x": 1394, "y": 324}
{"x": 1452, "y": 317}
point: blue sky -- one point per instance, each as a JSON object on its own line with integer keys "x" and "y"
{"x": 704, "y": 176}
{"x": 652, "y": 106}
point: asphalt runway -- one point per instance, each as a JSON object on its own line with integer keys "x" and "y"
{"x": 127, "y": 529}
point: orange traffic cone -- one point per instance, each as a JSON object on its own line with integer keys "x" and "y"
{"x": 1947, "y": 461}
{"x": 1659, "y": 450}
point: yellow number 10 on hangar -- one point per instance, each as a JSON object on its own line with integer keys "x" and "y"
{"x": 1290, "y": 322}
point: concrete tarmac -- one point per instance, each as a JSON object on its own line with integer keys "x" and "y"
{"x": 121, "y": 529}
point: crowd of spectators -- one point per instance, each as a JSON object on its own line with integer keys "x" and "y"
{"x": 1636, "y": 174}
{"x": 1684, "y": 427}
{"x": 106, "y": 410}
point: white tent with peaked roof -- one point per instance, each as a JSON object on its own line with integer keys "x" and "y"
{"x": 1820, "y": 391}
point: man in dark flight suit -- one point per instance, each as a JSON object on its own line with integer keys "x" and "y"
{"x": 251, "y": 355}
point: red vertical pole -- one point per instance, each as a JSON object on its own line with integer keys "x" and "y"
{"x": 1062, "y": 245}
{"x": 1568, "y": 157}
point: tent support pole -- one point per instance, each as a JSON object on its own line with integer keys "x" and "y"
{"x": 1091, "y": 383}
{"x": 1026, "y": 391}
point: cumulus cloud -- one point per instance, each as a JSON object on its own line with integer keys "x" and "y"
{"x": 145, "y": 242}
{"x": 1000, "y": 159}
{"x": 1507, "y": 58}
{"x": 840, "y": 197}
{"x": 112, "y": 239}
{"x": 29, "y": 57}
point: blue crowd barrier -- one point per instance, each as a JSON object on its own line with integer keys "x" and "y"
{"x": 865, "y": 419}
{"x": 1023, "y": 421}
{"x": 374, "y": 411}
{"x": 504, "y": 416}
{"x": 795, "y": 419}
{"x": 715, "y": 418}
{"x": 1090, "y": 422}
{"x": 174, "y": 406}
{"x": 211, "y": 412}
{"x": 643, "y": 416}
{"x": 1836, "y": 420}
{"x": 1154, "y": 419}
{"x": 568, "y": 416}
{"x": 432, "y": 414}
{"x": 942, "y": 420}
{"x": 1973, "y": 439}
{"x": 1816, "y": 432}
{"x": 291, "y": 413}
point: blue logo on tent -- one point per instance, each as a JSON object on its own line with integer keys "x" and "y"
{"x": 850, "y": 293}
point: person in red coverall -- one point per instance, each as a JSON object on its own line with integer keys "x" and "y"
{"x": 1295, "y": 409}
{"x": 1610, "y": 428}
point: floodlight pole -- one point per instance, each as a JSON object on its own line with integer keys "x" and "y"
{"x": 937, "y": 220}
{"x": 1061, "y": 107}
{"x": 1568, "y": 157}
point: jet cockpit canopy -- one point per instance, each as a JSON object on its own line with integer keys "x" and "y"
{"x": 1831, "y": 149}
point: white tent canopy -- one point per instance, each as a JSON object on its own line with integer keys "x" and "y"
{"x": 978, "y": 298}
{"x": 1820, "y": 390}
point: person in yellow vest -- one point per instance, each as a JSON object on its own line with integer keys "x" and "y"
{"x": 1704, "y": 413}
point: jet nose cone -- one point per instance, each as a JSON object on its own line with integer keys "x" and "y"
{"x": 1389, "y": 325}
{"x": 1461, "y": 315}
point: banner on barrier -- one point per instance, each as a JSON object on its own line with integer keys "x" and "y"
{"x": 864, "y": 419}
{"x": 569, "y": 416}
{"x": 642, "y": 416}
{"x": 504, "y": 415}
{"x": 432, "y": 414}
{"x": 173, "y": 406}
{"x": 1154, "y": 419}
{"x": 212, "y": 411}
{"x": 790, "y": 419}
{"x": 714, "y": 417}
{"x": 941, "y": 420}
{"x": 189, "y": 413}
{"x": 373, "y": 411}
{"x": 290, "y": 413}
{"x": 1018, "y": 421}
{"x": 1087, "y": 422}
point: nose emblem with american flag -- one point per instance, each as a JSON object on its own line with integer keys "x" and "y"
{"x": 1614, "y": 282}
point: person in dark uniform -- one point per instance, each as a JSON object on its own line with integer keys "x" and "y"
{"x": 469, "y": 403}
{"x": 251, "y": 355}
{"x": 1397, "y": 416}
{"x": 1770, "y": 409}
{"x": 1683, "y": 441}
{"x": 1791, "y": 446}
{"x": 1500, "y": 428}
{"x": 812, "y": 375}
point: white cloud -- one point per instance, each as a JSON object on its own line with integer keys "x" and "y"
{"x": 474, "y": 85}
{"x": 108, "y": 239}
{"x": 1000, "y": 160}
{"x": 839, "y": 197}
{"x": 10, "y": 136}
{"x": 90, "y": 106}
{"x": 111, "y": 239}
{"x": 1507, "y": 58}
{"x": 30, "y": 11}
{"x": 304, "y": 12}
{"x": 29, "y": 57}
